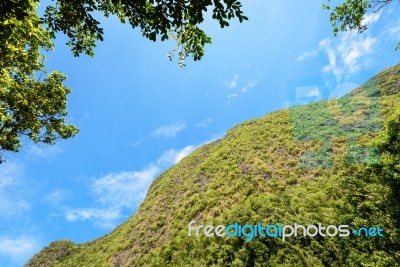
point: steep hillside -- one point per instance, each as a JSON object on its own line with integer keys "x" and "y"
{"x": 284, "y": 167}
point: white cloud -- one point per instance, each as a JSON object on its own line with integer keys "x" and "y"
{"x": 326, "y": 46}
{"x": 137, "y": 143}
{"x": 43, "y": 151}
{"x": 393, "y": 30}
{"x": 19, "y": 249}
{"x": 309, "y": 54}
{"x": 127, "y": 189}
{"x": 56, "y": 196}
{"x": 16, "y": 198}
{"x": 307, "y": 91}
{"x": 9, "y": 172}
{"x": 173, "y": 156}
{"x": 232, "y": 95}
{"x": 244, "y": 88}
{"x": 115, "y": 192}
{"x": 14, "y": 193}
{"x": 124, "y": 189}
{"x": 348, "y": 53}
{"x": 105, "y": 218}
{"x": 353, "y": 49}
{"x": 233, "y": 82}
{"x": 204, "y": 123}
{"x": 370, "y": 19}
{"x": 250, "y": 84}
{"x": 169, "y": 131}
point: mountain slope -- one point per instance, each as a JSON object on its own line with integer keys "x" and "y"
{"x": 283, "y": 167}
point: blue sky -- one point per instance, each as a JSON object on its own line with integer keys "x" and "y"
{"x": 139, "y": 113}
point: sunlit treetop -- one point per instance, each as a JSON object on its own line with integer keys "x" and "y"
{"x": 33, "y": 103}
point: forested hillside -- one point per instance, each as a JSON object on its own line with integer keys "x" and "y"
{"x": 329, "y": 162}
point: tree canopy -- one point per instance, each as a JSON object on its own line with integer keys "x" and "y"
{"x": 29, "y": 105}
{"x": 350, "y": 14}
{"x": 155, "y": 18}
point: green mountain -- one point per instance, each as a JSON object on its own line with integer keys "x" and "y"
{"x": 309, "y": 164}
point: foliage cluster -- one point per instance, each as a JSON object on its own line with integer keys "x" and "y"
{"x": 155, "y": 18}
{"x": 350, "y": 15}
{"x": 29, "y": 106}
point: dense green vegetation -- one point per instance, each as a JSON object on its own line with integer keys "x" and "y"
{"x": 258, "y": 173}
{"x": 33, "y": 103}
